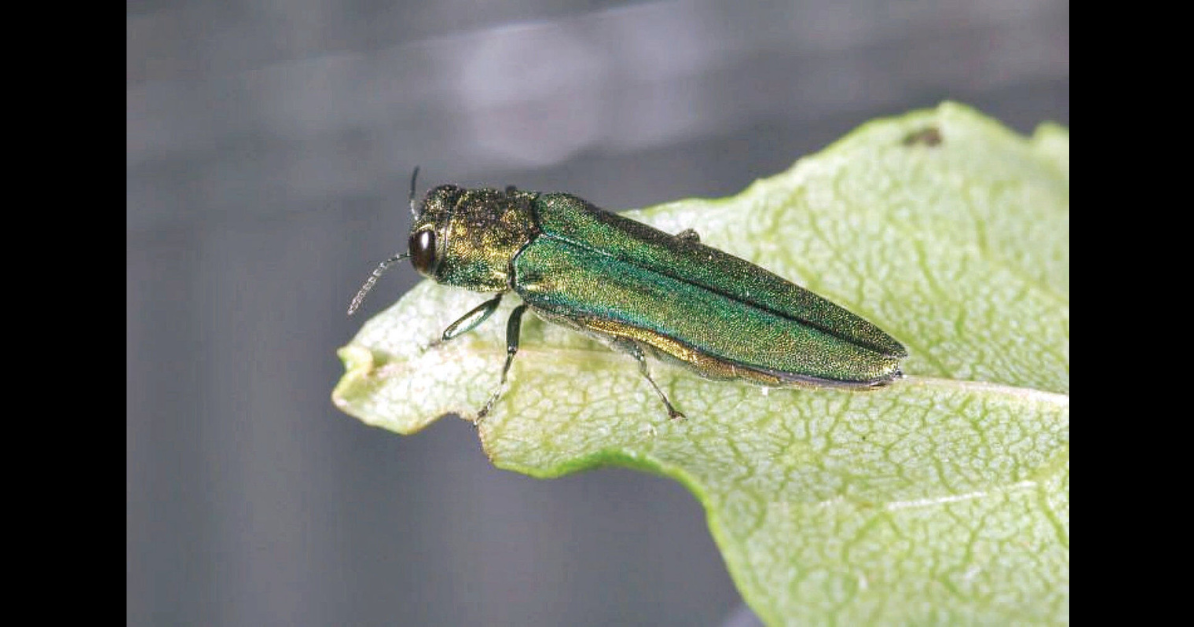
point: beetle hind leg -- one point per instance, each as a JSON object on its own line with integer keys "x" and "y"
{"x": 636, "y": 352}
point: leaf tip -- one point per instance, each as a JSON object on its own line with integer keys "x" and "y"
{"x": 358, "y": 365}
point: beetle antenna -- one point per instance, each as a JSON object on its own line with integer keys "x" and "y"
{"x": 414, "y": 175}
{"x": 369, "y": 283}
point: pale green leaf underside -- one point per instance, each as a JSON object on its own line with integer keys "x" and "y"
{"x": 943, "y": 498}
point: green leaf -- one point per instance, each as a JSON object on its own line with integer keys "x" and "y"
{"x": 943, "y": 498}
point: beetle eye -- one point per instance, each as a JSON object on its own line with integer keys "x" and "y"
{"x": 422, "y": 252}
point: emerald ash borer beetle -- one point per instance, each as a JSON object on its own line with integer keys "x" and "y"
{"x": 638, "y": 290}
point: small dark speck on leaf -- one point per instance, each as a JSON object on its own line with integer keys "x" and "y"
{"x": 930, "y": 136}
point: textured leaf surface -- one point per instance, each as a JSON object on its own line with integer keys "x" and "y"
{"x": 943, "y": 498}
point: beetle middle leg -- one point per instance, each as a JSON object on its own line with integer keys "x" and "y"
{"x": 513, "y": 328}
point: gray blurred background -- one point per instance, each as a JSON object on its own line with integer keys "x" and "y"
{"x": 270, "y": 145}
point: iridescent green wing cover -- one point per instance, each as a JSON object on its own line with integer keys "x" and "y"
{"x": 598, "y": 268}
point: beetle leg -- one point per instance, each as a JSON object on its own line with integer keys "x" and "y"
{"x": 636, "y": 351}
{"x": 470, "y": 320}
{"x": 689, "y": 235}
{"x": 513, "y": 327}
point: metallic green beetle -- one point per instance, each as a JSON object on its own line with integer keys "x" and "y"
{"x": 638, "y": 290}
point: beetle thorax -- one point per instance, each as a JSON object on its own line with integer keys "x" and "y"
{"x": 482, "y": 233}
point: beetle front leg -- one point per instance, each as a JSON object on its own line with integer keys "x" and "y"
{"x": 470, "y": 320}
{"x": 513, "y": 328}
